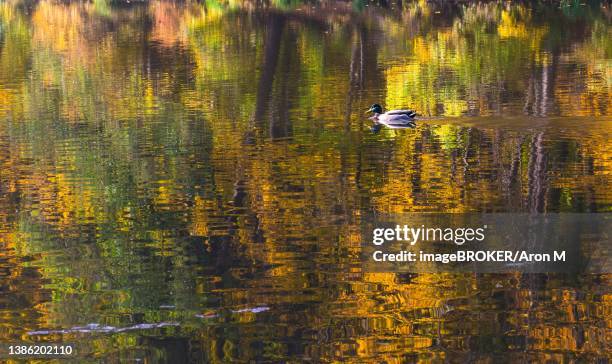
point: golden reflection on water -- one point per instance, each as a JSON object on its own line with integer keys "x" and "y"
{"x": 210, "y": 165}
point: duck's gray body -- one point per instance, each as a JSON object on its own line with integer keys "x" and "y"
{"x": 396, "y": 119}
{"x": 409, "y": 113}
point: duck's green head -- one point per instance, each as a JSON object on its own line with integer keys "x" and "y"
{"x": 375, "y": 108}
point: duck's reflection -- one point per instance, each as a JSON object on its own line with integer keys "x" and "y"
{"x": 376, "y": 127}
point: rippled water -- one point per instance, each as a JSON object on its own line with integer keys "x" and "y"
{"x": 187, "y": 181}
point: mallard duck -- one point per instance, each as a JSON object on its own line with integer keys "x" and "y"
{"x": 395, "y": 119}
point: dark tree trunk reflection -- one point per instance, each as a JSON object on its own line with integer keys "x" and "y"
{"x": 272, "y": 43}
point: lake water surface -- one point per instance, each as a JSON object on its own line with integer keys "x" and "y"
{"x": 187, "y": 181}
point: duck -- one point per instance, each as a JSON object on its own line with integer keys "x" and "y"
{"x": 394, "y": 119}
